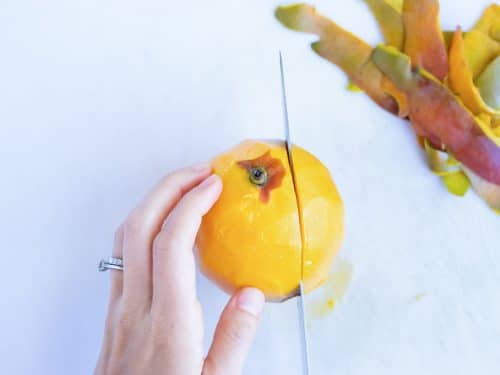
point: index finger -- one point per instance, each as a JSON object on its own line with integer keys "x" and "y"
{"x": 144, "y": 223}
{"x": 174, "y": 280}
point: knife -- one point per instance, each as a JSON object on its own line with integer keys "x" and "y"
{"x": 300, "y": 299}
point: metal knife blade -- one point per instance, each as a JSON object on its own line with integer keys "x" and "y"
{"x": 300, "y": 299}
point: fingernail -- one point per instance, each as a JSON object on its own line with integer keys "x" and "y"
{"x": 209, "y": 181}
{"x": 251, "y": 300}
{"x": 201, "y": 167}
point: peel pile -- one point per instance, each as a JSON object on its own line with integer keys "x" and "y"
{"x": 446, "y": 83}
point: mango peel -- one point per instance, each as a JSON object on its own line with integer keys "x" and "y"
{"x": 489, "y": 192}
{"x": 448, "y": 169}
{"x": 389, "y": 19}
{"x": 461, "y": 80}
{"x": 424, "y": 42}
{"x": 488, "y": 84}
{"x": 437, "y": 115}
{"x": 450, "y": 98}
{"x": 340, "y": 47}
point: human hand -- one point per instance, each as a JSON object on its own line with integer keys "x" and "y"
{"x": 154, "y": 323}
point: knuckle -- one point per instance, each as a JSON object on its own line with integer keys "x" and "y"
{"x": 192, "y": 199}
{"x": 134, "y": 223}
{"x": 159, "y": 334}
{"x": 234, "y": 336}
{"x": 125, "y": 323}
{"x": 238, "y": 330}
{"x": 189, "y": 202}
{"x": 165, "y": 240}
{"x": 133, "y": 307}
{"x": 128, "y": 318}
{"x": 172, "y": 181}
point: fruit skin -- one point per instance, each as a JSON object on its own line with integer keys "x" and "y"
{"x": 246, "y": 241}
{"x": 342, "y": 48}
{"x": 424, "y": 41}
{"x": 389, "y": 20}
{"x": 461, "y": 80}
{"x": 437, "y": 115}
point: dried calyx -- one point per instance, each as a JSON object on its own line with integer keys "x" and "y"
{"x": 265, "y": 172}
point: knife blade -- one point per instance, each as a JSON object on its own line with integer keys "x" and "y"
{"x": 300, "y": 299}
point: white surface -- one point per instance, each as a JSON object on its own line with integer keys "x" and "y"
{"x": 98, "y": 99}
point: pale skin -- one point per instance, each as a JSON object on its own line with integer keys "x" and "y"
{"x": 155, "y": 322}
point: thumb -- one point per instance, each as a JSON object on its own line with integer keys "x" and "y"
{"x": 235, "y": 333}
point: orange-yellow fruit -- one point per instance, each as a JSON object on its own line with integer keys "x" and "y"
{"x": 252, "y": 235}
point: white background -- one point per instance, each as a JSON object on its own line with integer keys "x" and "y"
{"x": 99, "y": 99}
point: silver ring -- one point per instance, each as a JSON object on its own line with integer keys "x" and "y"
{"x": 111, "y": 263}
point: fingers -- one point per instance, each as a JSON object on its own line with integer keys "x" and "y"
{"x": 117, "y": 276}
{"x": 174, "y": 281}
{"x": 235, "y": 333}
{"x": 142, "y": 225}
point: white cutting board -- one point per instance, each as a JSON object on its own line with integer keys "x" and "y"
{"x": 98, "y": 99}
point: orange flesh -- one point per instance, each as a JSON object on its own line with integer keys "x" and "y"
{"x": 251, "y": 239}
{"x": 322, "y": 214}
{"x": 246, "y": 242}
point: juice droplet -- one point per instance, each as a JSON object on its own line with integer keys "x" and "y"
{"x": 418, "y": 297}
{"x": 323, "y": 300}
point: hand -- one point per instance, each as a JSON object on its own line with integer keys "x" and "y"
{"x": 154, "y": 323}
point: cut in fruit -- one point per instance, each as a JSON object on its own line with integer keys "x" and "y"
{"x": 251, "y": 238}
{"x": 322, "y": 216}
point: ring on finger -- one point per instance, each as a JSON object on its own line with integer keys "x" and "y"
{"x": 111, "y": 263}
